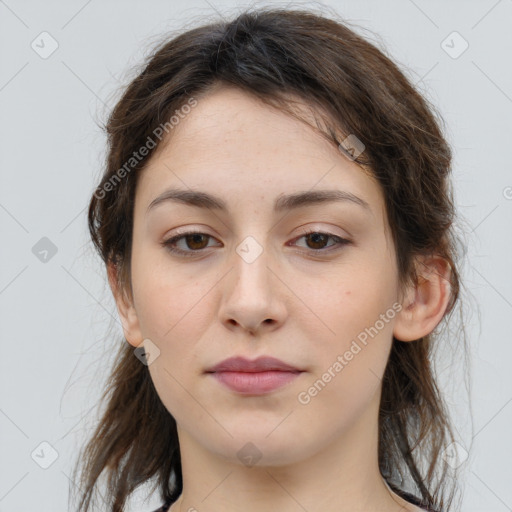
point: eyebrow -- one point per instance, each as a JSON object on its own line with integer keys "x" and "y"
{"x": 282, "y": 203}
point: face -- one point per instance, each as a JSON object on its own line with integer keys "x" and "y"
{"x": 252, "y": 282}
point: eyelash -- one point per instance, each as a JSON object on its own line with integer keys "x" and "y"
{"x": 169, "y": 243}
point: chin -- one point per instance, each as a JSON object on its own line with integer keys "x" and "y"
{"x": 256, "y": 447}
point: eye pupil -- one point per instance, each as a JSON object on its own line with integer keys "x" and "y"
{"x": 194, "y": 237}
{"x": 316, "y": 236}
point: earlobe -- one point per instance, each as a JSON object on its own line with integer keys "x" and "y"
{"x": 426, "y": 301}
{"x": 125, "y": 308}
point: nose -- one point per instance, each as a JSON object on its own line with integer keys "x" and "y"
{"x": 252, "y": 297}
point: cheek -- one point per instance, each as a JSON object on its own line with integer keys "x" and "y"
{"x": 174, "y": 315}
{"x": 349, "y": 372}
{"x": 170, "y": 303}
{"x": 349, "y": 298}
{"x": 357, "y": 319}
{"x": 171, "y": 377}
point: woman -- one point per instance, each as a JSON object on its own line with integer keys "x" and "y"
{"x": 275, "y": 218}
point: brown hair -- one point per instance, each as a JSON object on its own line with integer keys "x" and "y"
{"x": 277, "y": 55}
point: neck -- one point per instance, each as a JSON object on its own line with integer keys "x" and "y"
{"x": 343, "y": 476}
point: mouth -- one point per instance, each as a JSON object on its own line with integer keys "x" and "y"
{"x": 255, "y": 383}
{"x": 257, "y": 377}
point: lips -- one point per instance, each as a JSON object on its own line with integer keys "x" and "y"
{"x": 261, "y": 364}
{"x": 257, "y": 377}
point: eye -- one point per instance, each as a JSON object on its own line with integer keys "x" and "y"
{"x": 196, "y": 241}
{"x": 193, "y": 240}
{"x": 319, "y": 238}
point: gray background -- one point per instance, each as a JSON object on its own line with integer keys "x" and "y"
{"x": 58, "y": 321}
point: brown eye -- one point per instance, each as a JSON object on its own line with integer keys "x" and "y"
{"x": 316, "y": 241}
{"x": 194, "y": 242}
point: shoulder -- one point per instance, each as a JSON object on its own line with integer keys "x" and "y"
{"x": 411, "y": 507}
{"x": 410, "y": 503}
{"x": 415, "y": 508}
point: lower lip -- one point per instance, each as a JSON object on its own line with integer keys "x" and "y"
{"x": 255, "y": 382}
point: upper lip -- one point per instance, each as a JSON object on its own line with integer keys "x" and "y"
{"x": 261, "y": 364}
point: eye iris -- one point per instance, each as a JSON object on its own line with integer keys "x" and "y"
{"x": 316, "y": 236}
{"x": 196, "y": 238}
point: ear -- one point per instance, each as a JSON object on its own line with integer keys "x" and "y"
{"x": 125, "y": 308}
{"x": 426, "y": 301}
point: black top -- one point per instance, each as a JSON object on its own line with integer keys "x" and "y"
{"x": 405, "y": 495}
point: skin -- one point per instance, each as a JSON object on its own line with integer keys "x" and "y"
{"x": 202, "y": 309}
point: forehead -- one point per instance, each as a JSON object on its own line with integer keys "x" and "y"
{"x": 234, "y": 144}
{"x": 230, "y": 118}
